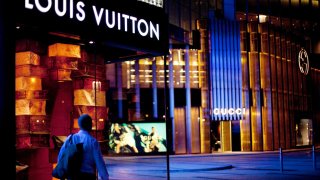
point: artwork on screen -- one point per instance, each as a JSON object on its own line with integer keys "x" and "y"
{"x": 139, "y": 138}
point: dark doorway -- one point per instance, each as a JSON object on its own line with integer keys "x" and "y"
{"x": 236, "y": 139}
{"x": 215, "y": 136}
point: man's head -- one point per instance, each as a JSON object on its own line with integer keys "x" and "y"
{"x": 85, "y": 122}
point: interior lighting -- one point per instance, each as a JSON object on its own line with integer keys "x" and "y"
{"x": 33, "y": 80}
{"x": 96, "y": 85}
{"x": 262, "y": 18}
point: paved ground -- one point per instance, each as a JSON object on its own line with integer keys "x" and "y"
{"x": 297, "y": 164}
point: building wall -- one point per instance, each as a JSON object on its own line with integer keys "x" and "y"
{"x": 274, "y": 89}
{"x": 315, "y": 83}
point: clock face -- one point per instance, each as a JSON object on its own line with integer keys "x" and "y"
{"x": 303, "y": 61}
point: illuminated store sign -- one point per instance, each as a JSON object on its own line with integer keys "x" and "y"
{"x": 112, "y": 19}
{"x": 121, "y": 23}
{"x": 230, "y": 111}
{"x": 303, "y": 61}
{"x": 75, "y": 9}
{"x": 130, "y": 23}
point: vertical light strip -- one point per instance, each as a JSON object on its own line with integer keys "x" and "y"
{"x": 214, "y": 61}
{"x": 127, "y": 67}
{"x": 238, "y": 71}
{"x": 171, "y": 94}
{"x": 228, "y": 68}
{"x": 188, "y": 100}
{"x": 233, "y": 69}
{"x": 154, "y": 89}
{"x": 236, "y": 65}
{"x": 119, "y": 89}
{"x": 237, "y": 68}
{"x": 137, "y": 89}
{"x": 214, "y": 65}
{"x": 225, "y": 67}
{"x": 220, "y": 70}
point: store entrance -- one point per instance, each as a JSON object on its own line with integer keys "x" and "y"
{"x": 304, "y": 132}
{"x": 215, "y": 136}
{"x": 236, "y": 139}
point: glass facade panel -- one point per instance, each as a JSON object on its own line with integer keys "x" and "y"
{"x": 195, "y": 123}
{"x": 180, "y": 130}
{"x": 194, "y": 69}
{"x": 282, "y": 92}
{"x": 245, "y": 125}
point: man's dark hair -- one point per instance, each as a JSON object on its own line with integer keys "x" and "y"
{"x": 85, "y": 122}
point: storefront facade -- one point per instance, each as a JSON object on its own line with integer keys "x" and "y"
{"x": 83, "y": 57}
{"x": 115, "y": 65}
{"x": 214, "y": 76}
{"x": 279, "y": 75}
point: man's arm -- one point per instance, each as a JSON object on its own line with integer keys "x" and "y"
{"x": 63, "y": 148}
{"x": 101, "y": 166}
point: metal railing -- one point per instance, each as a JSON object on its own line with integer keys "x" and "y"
{"x": 313, "y": 154}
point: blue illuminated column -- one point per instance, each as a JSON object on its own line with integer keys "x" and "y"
{"x": 154, "y": 89}
{"x": 225, "y": 69}
{"x": 171, "y": 98}
{"x": 188, "y": 100}
{"x": 119, "y": 89}
{"x": 137, "y": 89}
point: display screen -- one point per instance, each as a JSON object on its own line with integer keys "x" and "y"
{"x": 137, "y": 138}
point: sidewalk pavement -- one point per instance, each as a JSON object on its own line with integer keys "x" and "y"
{"x": 297, "y": 164}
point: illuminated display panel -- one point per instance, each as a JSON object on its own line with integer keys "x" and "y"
{"x": 137, "y": 138}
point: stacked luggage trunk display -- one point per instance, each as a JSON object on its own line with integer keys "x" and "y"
{"x": 32, "y": 122}
{"x": 89, "y": 84}
{"x": 59, "y": 63}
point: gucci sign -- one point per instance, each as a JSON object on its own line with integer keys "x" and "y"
{"x": 230, "y": 111}
{"x": 303, "y": 61}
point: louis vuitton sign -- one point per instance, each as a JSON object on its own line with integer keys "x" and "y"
{"x": 120, "y": 22}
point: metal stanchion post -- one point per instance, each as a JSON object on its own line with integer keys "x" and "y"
{"x": 314, "y": 158}
{"x": 281, "y": 160}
